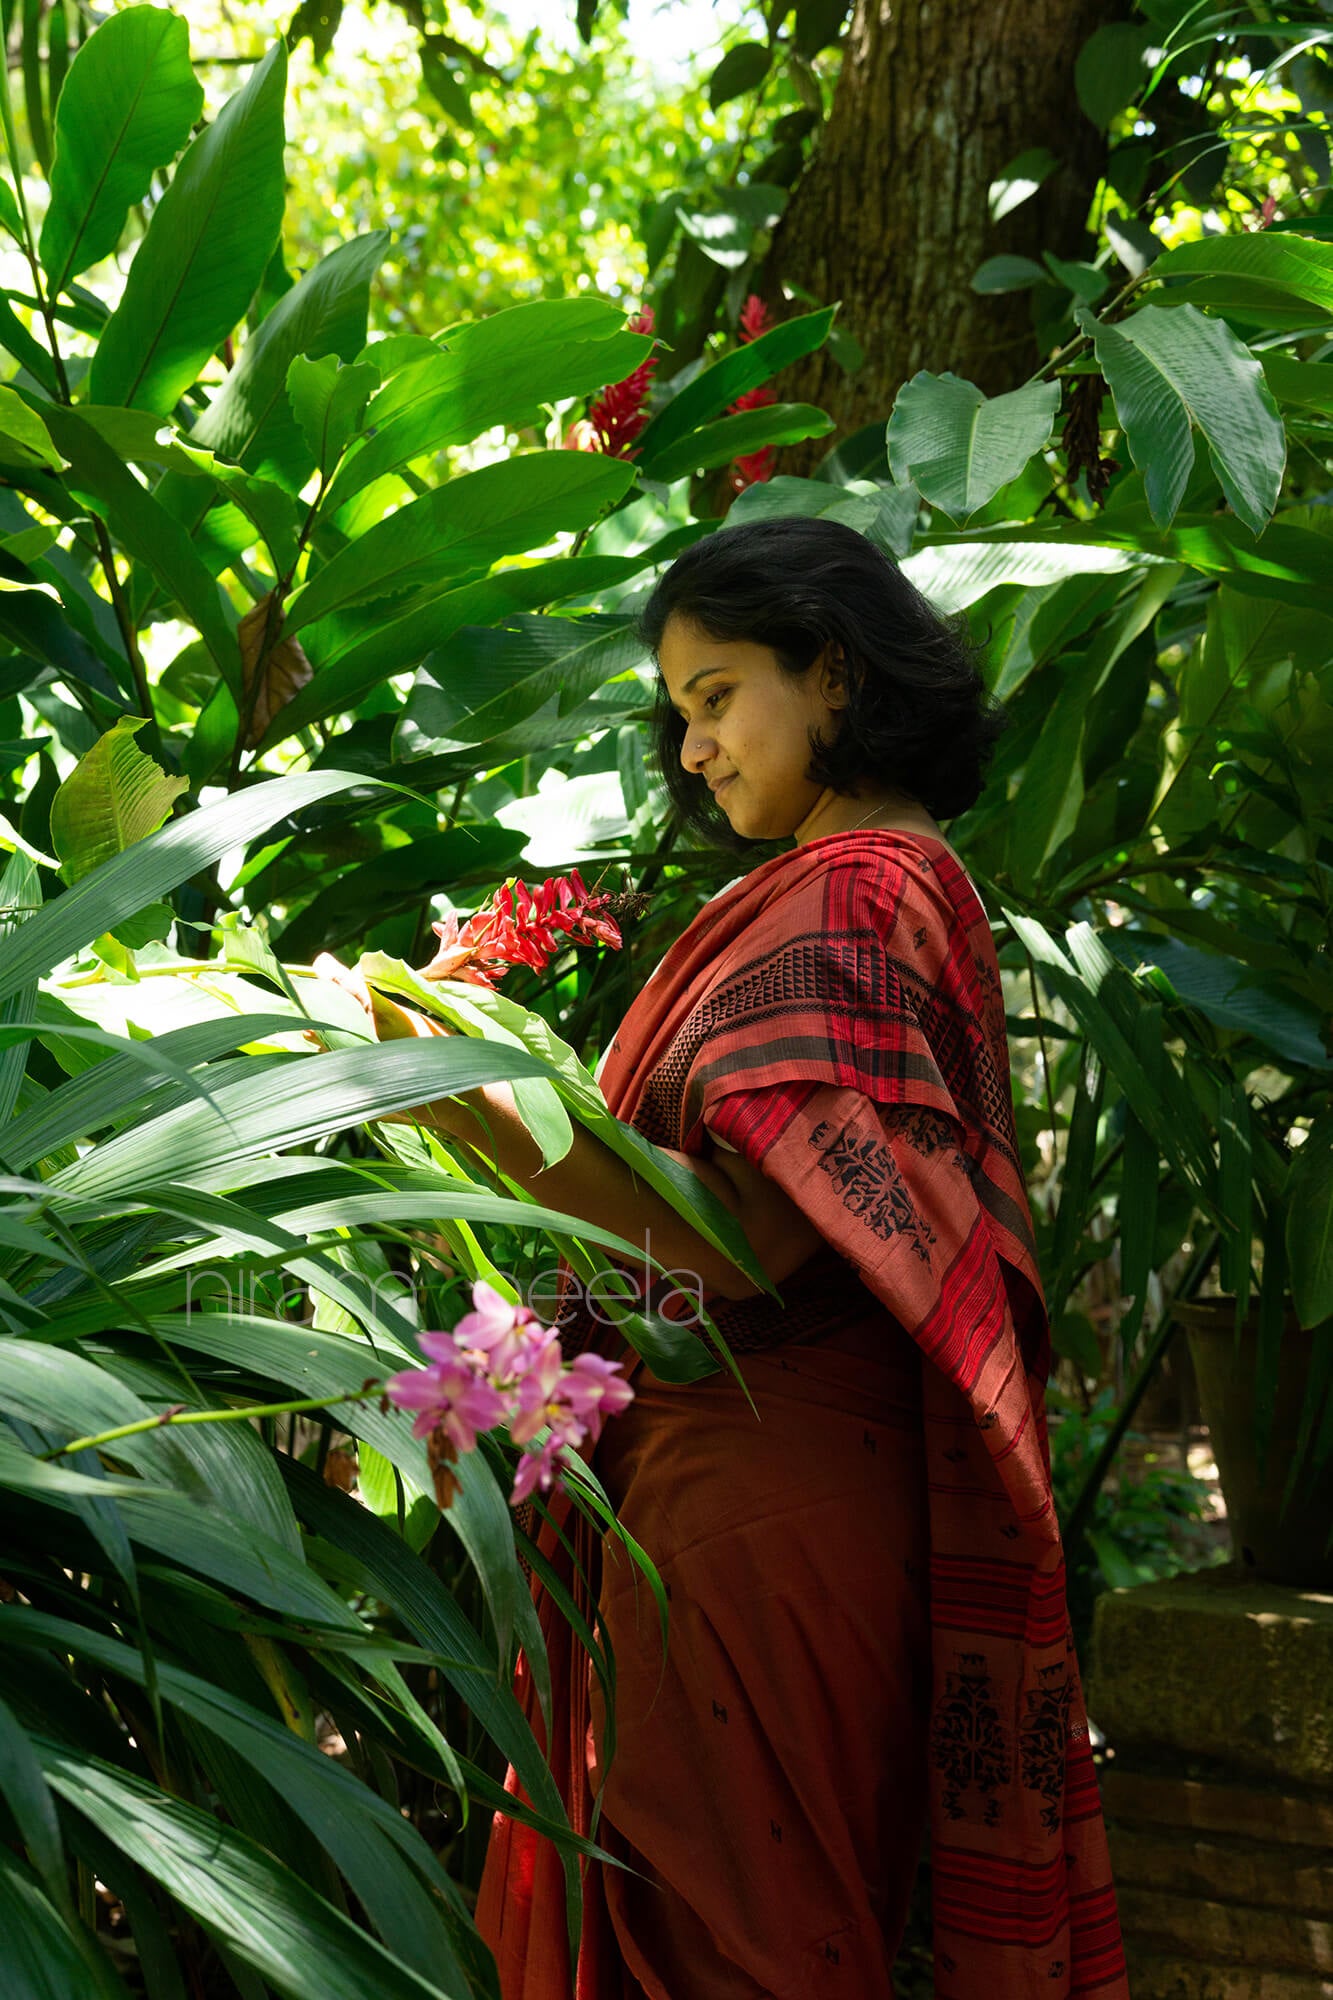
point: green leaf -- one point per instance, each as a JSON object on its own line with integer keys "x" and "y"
{"x": 144, "y": 529}
{"x": 127, "y": 107}
{"x": 10, "y": 218}
{"x": 1223, "y": 990}
{"x": 206, "y": 250}
{"x": 24, "y": 438}
{"x": 1306, "y": 385}
{"x": 328, "y": 400}
{"x": 250, "y": 419}
{"x": 1110, "y": 71}
{"x": 303, "y": 1100}
{"x": 43, "y": 1959}
{"x": 1006, "y": 274}
{"x": 113, "y": 797}
{"x": 353, "y": 655}
{"x": 735, "y": 436}
{"x": 500, "y": 370}
{"x": 154, "y": 866}
{"x": 859, "y": 506}
{"x": 960, "y": 447}
{"x": 1133, "y": 243}
{"x": 385, "y": 1861}
{"x": 742, "y": 68}
{"x": 29, "y": 1800}
{"x": 726, "y": 231}
{"x": 1173, "y": 370}
{"x": 716, "y": 388}
{"x": 386, "y": 1568}
{"x": 269, "y": 1917}
{"x": 955, "y": 574}
{"x": 818, "y": 26}
{"x": 503, "y": 509}
{"x": 489, "y": 679}
{"x": 118, "y": 1088}
{"x": 1300, "y": 266}
{"x": 1084, "y": 280}
{"x": 1309, "y": 1213}
{"x": 1016, "y": 184}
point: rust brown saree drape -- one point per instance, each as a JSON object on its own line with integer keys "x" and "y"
{"x": 867, "y": 1586}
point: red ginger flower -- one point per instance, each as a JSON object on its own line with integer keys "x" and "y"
{"x": 755, "y": 319}
{"x": 754, "y": 466}
{"x": 620, "y": 413}
{"x": 521, "y": 926}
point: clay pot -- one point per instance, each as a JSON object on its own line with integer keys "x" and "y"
{"x": 1293, "y": 1548}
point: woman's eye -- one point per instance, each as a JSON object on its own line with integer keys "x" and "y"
{"x": 710, "y": 699}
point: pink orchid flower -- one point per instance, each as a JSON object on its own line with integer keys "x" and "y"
{"x": 538, "y": 1471}
{"x": 447, "y": 1396}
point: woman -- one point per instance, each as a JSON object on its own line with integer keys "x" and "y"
{"x": 868, "y": 1626}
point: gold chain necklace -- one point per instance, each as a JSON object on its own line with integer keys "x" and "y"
{"x": 864, "y": 817}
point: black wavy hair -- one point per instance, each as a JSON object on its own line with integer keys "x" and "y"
{"x": 918, "y": 716}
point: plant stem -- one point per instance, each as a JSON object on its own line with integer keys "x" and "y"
{"x": 177, "y": 1416}
{"x": 1041, "y": 1044}
{"x": 129, "y": 638}
{"x": 1162, "y": 1335}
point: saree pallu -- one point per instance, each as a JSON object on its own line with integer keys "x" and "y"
{"x": 836, "y": 1018}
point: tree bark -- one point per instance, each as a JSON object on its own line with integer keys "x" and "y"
{"x": 933, "y": 101}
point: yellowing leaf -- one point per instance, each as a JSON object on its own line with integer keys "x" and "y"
{"x": 113, "y": 797}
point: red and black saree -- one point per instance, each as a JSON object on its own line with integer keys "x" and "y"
{"x": 867, "y": 1588}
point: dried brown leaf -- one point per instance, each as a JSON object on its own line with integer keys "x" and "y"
{"x": 282, "y": 667}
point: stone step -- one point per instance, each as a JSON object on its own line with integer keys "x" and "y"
{"x": 1141, "y": 1798}
{"x": 1153, "y": 1977}
{"x": 1212, "y": 1665}
{"x": 1237, "y": 1934}
{"x": 1227, "y": 1869}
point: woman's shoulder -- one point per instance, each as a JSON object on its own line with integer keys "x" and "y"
{"x": 878, "y": 879}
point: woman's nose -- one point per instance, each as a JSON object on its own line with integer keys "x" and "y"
{"x": 696, "y": 749}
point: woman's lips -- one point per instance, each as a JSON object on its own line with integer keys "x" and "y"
{"x": 715, "y": 789}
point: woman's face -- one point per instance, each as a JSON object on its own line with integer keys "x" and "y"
{"x": 747, "y": 726}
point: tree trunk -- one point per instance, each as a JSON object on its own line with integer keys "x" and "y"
{"x": 935, "y": 98}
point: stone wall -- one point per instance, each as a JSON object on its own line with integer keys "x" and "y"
{"x": 1216, "y": 1698}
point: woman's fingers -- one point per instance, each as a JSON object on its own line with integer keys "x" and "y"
{"x": 391, "y": 1022}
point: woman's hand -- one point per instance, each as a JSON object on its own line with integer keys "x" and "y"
{"x": 390, "y": 1022}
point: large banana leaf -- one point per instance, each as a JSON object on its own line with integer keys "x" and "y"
{"x": 127, "y": 107}
{"x": 271, "y": 1920}
{"x": 146, "y": 872}
{"x": 250, "y": 419}
{"x": 499, "y": 370}
{"x": 504, "y": 509}
{"x": 210, "y": 238}
{"x": 403, "y": 1889}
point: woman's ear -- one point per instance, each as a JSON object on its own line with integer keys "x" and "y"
{"x": 833, "y": 675}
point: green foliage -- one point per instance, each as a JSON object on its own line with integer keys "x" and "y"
{"x": 959, "y": 447}
{"x": 205, "y": 251}
{"x": 1173, "y": 371}
{"x": 1148, "y": 1524}
{"x": 127, "y": 108}
{"x": 338, "y": 598}
{"x": 113, "y": 797}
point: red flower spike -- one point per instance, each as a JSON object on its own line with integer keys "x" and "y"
{"x": 755, "y": 466}
{"x": 755, "y": 319}
{"x": 521, "y": 927}
{"x": 620, "y": 413}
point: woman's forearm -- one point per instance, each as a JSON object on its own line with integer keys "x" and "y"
{"x": 595, "y": 1184}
